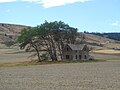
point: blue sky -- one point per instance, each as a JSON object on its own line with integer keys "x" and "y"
{"x": 86, "y": 15}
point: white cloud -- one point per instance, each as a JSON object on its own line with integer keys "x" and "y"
{"x": 53, "y": 3}
{"x": 117, "y": 23}
{"x": 32, "y": 1}
{"x": 1, "y": 1}
{"x": 49, "y": 3}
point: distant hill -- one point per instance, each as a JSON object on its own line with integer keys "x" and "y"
{"x": 11, "y": 28}
{"x": 115, "y": 36}
{"x": 98, "y": 42}
{"x": 9, "y": 31}
{"x": 90, "y": 38}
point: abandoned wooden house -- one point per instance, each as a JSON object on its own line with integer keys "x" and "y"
{"x": 76, "y": 52}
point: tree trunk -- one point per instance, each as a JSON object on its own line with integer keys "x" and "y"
{"x": 37, "y": 50}
{"x": 38, "y": 54}
{"x": 49, "y": 49}
{"x": 54, "y": 50}
{"x": 60, "y": 50}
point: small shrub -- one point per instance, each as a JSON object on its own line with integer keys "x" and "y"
{"x": 9, "y": 43}
{"x": 44, "y": 57}
{"x": 91, "y": 58}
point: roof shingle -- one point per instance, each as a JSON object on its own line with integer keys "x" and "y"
{"x": 76, "y": 47}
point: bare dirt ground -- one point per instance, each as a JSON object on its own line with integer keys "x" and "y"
{"x": 72, "y": 76}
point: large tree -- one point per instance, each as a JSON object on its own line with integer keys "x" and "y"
{"x": 29, "y": 37}
{"x": 51, "y": 35}
{"x": 58, "y": 34}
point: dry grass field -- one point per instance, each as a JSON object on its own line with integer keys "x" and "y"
{"x": 72, "y": 76}
{"x": 13, "y": 55}
{"x": 101, "y": 56}
{"x": 106, "y": 54}
{"x": 108, "y": 51}
{"x": 112, "y": 45}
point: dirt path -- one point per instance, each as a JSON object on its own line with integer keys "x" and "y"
{"x": 73, "y": 76}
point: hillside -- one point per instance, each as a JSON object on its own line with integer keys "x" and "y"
{"x": 98, "y": 39}
{"x": 98, "y": 42}
{"x": 9, "y": 31}
{"x": 115, "y": 36}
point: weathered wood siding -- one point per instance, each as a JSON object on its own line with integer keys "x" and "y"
{"x": 75, "y": 54}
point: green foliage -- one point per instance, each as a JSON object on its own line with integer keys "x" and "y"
{"x": 52, "y": 35}
{"x": 30, "y": 36}
{"x": 27, "y": 36}
{"x": 59, "y": 30}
